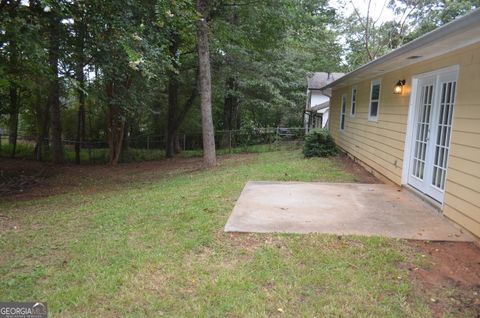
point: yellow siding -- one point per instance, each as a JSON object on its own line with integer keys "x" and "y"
{"x": 380, "y": 145}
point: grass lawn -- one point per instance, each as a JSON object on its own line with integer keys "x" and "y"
{"x": 157, "y": 248}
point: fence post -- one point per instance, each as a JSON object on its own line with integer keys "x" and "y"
{"x": 148, "y": 142}
{"x": 230, "y": 140}
{"x": 184, "y": 142}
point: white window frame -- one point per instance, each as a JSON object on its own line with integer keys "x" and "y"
{"x": 352, "y": 102}
{"x": 373, "y": 83}
{"x": 343, "y": 110}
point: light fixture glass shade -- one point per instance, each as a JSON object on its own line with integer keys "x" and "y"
{"x": 398, "y": 89}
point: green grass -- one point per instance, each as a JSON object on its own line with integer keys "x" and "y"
{"x": 157, "y": 248}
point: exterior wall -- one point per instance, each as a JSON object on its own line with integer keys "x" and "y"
{"x": 325, "y": 118}
{"x": 380, "y": 145}
{"x": 317, "y": 98}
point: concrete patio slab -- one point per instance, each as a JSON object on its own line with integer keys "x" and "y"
{"x": 339, "y": 208}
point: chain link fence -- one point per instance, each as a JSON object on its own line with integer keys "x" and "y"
{"x": 152, "y": 147}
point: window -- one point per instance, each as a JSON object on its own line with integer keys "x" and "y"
{"x": 374, "y": 101}
{"x": 353, "y": 105}
{"x": 342, "y": 112}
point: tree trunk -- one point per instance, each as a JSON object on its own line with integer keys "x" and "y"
{"x": 126, "y": 141}
{"x": 54, "y": 93}
{"x": 169, "y": 144}
{"x": 42, "y": 121}
{"x": 116, "y": 125}
{"x": 176, "y": 115}
{"x": 116, "y": 133}
{"x": 230, "y": 110}
{"x": 41, "y": 105}
{"x": 172, "y": 141}
{"x": 80, "y": 126}
{"x": 231, "y": 118}
{"x": 42, "y": 135}
{"x": 13, "y": 90}
{"x": 178, "y": 147}
{"x": 80, "y": 77}
{"x": 13, "y": 120}
{"x": 173, "y": 88}
{"x": 209, "y": 157}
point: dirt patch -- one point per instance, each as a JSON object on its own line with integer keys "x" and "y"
{"x": 361, "y": 175}
{"x": 18, "y": 176}
{"x": 248, "y": 241}
{"x": 450, "y": 277}
{"x": 25, "y": 179}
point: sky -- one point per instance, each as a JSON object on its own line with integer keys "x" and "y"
{"x": 378, "y": 8}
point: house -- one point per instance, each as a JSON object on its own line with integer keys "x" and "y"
{"x": 318, "y": 102}
{"x": 413, "y": 117}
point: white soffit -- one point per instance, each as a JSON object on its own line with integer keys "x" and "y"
{"x": 457, "y": 34}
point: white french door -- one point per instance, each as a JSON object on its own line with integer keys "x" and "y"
{"x": 435, "y": 100}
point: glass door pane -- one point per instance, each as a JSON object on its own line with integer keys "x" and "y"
{"x": 444, "y": 130}
{"x": 422, "y": 131}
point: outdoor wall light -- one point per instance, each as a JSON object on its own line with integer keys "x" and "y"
{"x": 398, "y": 89}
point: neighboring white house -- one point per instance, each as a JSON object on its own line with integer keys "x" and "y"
{"x": 318, "y": 103}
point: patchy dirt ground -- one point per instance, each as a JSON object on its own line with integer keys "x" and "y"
{"x": 19, "y": 176}
{"x": 361, "y": 175}
{"x": 450, "y": 277}
{"x": 26, "y": 179}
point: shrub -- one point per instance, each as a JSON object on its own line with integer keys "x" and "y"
{"x": 319, "y": 143}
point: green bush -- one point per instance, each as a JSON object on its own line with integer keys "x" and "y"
{"x": 319, "y": 143}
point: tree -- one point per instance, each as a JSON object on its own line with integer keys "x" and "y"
{"x": 117, "y": 30}
{"x": 13, "y": 19}
{"x": 14, "y": 97}
{"x": 54, "y": 36}
{"x": 209, "y": 157}
{"x": 180, "y": 25}
{"x": 262, "y": 54}
{"x": 103, "y": 72}
{"x": 426, "y": 15}
{"x": 369, "y": 37}
{"x": 79, "y": 37}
